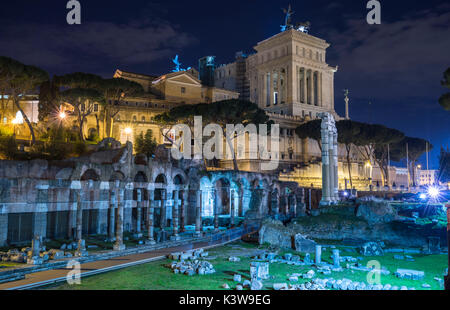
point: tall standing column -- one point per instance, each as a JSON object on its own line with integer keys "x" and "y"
{"x": 325, "y": 164}
{"x": 118, "y": 245}
{"x": 313, "y": 87}
{"x": 336, "y": 163}
{"x": 241, "y": 202}
{"x": 215, "y": 194}
{"x": 331, "y": 167}
{"x": 183, "y": 205}
{"x": 305, "y": 86}
{"x": 150, "y": 218}
{"x": 294, "y": 205}
{"x": 198, "y": 217}
{"x": 81, "y": 249}
{"x": 163, "y": 218}
{"x": 175, "y": 215}
{"x": 79, "y": 230}
{"x": 112, "y": 218}
{"x": 138, "y": 211}
{"x": 232, "y": 208}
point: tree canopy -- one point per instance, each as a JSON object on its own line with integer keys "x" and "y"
{"x": 224, "y": 112}
{"x": 444, "y": 100}
{"x": 18, "y": 80}
{"x": 310, "y": 130}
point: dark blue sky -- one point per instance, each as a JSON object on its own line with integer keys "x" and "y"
{"x": 397, "y": 65}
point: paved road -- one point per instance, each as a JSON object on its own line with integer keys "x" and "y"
{"x": 42, "y": 278}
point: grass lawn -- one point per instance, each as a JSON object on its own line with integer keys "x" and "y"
{"x": 156, "y": 276}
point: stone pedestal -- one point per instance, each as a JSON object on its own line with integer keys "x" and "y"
{"x": 81, "y": 249}
{"x": 336, "y": 259}
{"x": 318, "y": 257}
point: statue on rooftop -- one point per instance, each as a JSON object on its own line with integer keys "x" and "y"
{"x": 287, "y": 20}
{"x": 303, "y": 27}
{"x": 178, "y": 65}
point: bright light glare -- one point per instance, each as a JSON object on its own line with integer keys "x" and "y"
{"x": 128, "y": 130}
{"x": 422, "y": 196}
{"x": 433, "y": 192}
{"x": 62, "y": 115}
{"x": 345, "y": 194}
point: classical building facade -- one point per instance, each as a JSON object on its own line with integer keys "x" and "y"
{"x": 287, "y": 76}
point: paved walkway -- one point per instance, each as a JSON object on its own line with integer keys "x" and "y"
{"x": 42, "y": 278}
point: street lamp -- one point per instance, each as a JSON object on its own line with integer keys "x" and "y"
{"x": 128, "y": 132}
{"x": 62, "y": 115}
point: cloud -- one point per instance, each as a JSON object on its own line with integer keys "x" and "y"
{"x": 405, "y": 57}
{"x": 91, "y": 43}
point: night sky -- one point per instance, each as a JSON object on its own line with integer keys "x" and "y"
{"x": 397, "y": 65}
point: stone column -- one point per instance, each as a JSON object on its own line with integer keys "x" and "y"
{"x": 81, "y": 249}
{"x": 216, "y": 210}
{"x": 308, "y": 94}
{"x": 232, "y": 208}
{"x": 313, "y": 87}
{"x": 310, "y": 199}
{"x": 150, "y": 218}
{"x": 241, "y": 202}
{"x": 198, "y": 217}
{"x": 335, "y": 172}
{"x": 331, "y": 166}
{"x": 118, "y": 245}
{"x": 326, "y": 194}
{"x": 40, "y": 214}
{"x": 3, "y": 227}
{"x": 175, "y": 215}
{"x": 305, "y": 86}
{"x": 138, "y": 212}
{"x": 79, "y": 230}
{"x": 294, "y": 205}
{"x": 163, "y": 218}
{"x": 320, "y": 89}
{"x": 275, "y": 197}
{"x": 112, "y": 217}
{"x": 318, "y": 257}
{"x": 336, "y": 259}
{"x": 184, "y": 203}
{"x": 286, "y": 205}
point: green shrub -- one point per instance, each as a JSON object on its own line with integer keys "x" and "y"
{"x": 145, "y": 144}
{"x": 9, "y": 148}
{"x": 80, "y": 148}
